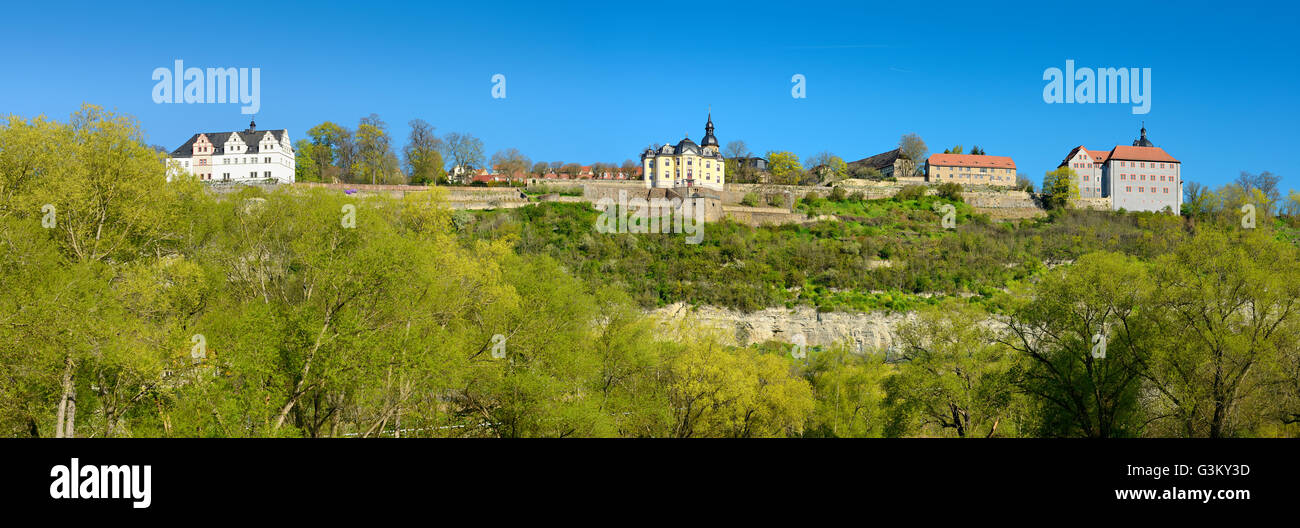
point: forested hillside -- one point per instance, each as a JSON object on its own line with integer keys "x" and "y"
{"x": 131, "y": 305}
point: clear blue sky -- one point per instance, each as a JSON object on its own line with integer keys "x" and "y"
{"x": 599, "y": 81}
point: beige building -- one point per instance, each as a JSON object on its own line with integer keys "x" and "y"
{"x": 971, "y": 169}
{"x": 686, "y": 164}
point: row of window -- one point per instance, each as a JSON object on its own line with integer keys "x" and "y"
{"x": 974, "y": 177}
{"x": 707, "y": 164}
{"x": 1140, "y": 177}
{"x": 981, "y": 169}
{"x": 1143, "y": 164}
{"x": 1143, "y": 177}
{"x": 235, "y": 148}
{"x": 228, "y": 161}
{"x": 246, "y": 160}
{"x": 1144, "y": 189}
{"x": 689, "y": 174}
{"x": 1132, "y": 164}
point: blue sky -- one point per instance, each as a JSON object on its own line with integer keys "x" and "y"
{"x": 599, "y": 81}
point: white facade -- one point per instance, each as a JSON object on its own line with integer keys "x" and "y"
{"x": 1142, "y": 177}
{"x": 248, "y": 155}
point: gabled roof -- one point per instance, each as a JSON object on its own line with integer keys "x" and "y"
{"x": 1098, "y": 156}
{"x": 879, "y": 161}
{"x": 218, "y": 139}
{"x": 972, "y": 160}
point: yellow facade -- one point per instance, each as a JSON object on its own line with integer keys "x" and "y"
{"x": 973, "y": 175}
{"x": 686, "y": 164}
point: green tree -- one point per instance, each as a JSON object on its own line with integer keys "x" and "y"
{"x": 849, "y": 392}
{"x": 327, "y": 138}
{"x": 784, "y": 167}
{"x": 424, "y": 165}
{"x": 305, "y": 168}
{"x": 1059, "y": 327}
{"x": 1232, "y": 300}
{"x": 1060, "y": 188}
{"x": 718, "y": 391}
{"x": 953, "y": 375}
{"x": 377, "y": 162}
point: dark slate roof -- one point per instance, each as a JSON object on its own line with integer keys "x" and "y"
{"x": 879, "y": 161}
{"x": 687, "y": 144}
{"x": 218, "y": 139}
{"x": 1143, "y": 141}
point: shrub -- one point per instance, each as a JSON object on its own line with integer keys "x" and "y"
{"x": 950, "y": 190}
{"x": 750, "y": 200}
{"x": 911, "y": 192}
{"x": 838, "y": 194}
{"x": 776, "y": 200}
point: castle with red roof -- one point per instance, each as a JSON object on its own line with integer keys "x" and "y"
{"x": 1141, "y": 177}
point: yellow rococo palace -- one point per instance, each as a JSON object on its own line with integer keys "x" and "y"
{"x": 686, "y": 164}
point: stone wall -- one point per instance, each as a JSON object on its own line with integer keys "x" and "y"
{"x": 230, "y": 187}
{"x": 458, "y": 197}
{"x": 1004, "y": 204}
{"x": 1100, "y": 204}
{"x": 594, "y": 192}
{"x": 757, "y": 216}
{"x": 735, "y": 192}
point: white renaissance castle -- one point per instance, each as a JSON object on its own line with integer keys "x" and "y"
{"x": 250, "y": 155}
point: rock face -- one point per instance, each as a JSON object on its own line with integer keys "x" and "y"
{"x": 864, "y": 332}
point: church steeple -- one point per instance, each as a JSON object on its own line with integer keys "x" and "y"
{"x": 1143, "y": 141}
{"x": 709, "y": 140}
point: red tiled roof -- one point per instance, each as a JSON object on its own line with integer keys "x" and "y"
{"x": 1099, "y": 156}
{"x": 1141, "y": 154}
{"x": 1070, "y": 156}
{"x": 972, "y": 160}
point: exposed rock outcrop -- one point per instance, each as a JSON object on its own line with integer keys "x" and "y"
{"x": 864, "y": 332}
